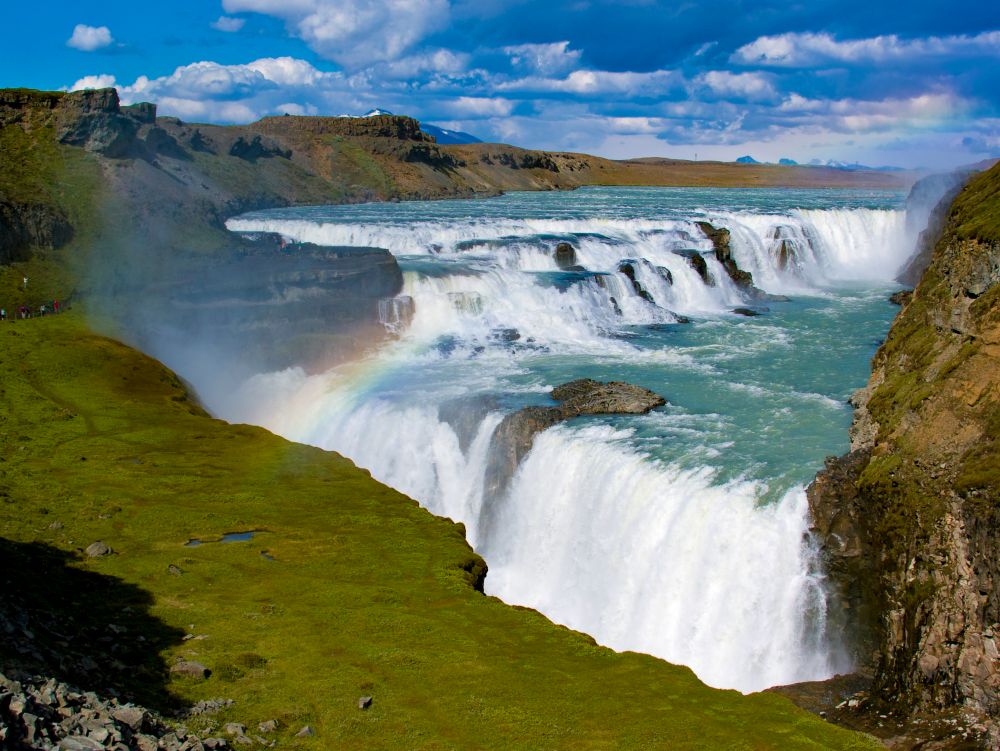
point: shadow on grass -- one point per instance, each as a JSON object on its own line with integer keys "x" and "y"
{"x": 87, "y": 629}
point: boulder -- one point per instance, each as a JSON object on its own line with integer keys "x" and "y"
{"x": 191, "y": 669}
{"x": 97, "y": 549}
{"x": 305, "y": 732}
{"x": 364, "y": 702}
{"x": 902, "y": 297}
{"x": 565, "y": 256}
{"x": 745, "y": 312}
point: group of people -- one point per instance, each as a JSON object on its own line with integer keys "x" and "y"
{"x": 24, "y": 312}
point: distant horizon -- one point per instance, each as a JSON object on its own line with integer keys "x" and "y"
{"x": 846, "y": 81}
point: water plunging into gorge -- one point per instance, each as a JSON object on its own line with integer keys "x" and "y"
{"x": 681, "y": 532}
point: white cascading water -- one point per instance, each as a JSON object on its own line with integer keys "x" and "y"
{"x": 661, "y": 557}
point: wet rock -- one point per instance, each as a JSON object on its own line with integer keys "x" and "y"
{"x": 665, "y": 274}
{"x": 565, "y": 256}
{"x": 697, "y": 262}
{"x": 628, "y": 269}
{"x": 515, "y": 435}
{"x": 97, "y": 549}
{"x": 745, "y": 312}
{"x": 364, "y": 702}
{"x": 589, "y": 397}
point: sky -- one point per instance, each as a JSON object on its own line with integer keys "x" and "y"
{"x": 913, "y": 84}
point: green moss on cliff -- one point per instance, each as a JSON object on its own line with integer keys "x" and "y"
{"x": 976, "y": 210}
{"x": 363, "y": 592}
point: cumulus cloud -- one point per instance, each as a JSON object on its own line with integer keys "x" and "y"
{"x": 804, "y": 50}
{"x": 89, "y": 38}
{"x": 739, "y": 85}
{"x": 100, "y": 81}
{"x": 354, "y": 33}
{"x": 543, "y": 59}
{"x": 228, "y": 24}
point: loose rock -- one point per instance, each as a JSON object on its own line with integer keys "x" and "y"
{"x": 97, "y": 549}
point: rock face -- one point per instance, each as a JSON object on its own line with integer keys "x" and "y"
{"x": 909, "y": 521}
{"x": 272, "y": 308}
{"x": 515, "y": 435}
{"x": 27, "y": 226}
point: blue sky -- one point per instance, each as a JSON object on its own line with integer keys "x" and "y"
{"x": 909, "y": 84}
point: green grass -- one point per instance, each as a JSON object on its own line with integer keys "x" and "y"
{"x": 367, "y": 594}
{"x": 976, "y": 210}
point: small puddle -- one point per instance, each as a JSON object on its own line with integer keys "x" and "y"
{"x": 228, "y": 537}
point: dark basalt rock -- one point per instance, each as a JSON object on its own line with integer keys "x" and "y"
{"x": 628, "y": 269}
{"x": 93, "y": 120}
{"x": 697, "y": 262}
{"x": 259, "y": 147}
{"x": 26, "y": 226}
{"x": 515, "y": 435}
{"x": 720, "y": 238}
{"x": 565, "y": 257}
{"x": 745, "y": 312}
{"x": 665, "y": 274}
{"x": 144, "y": 112}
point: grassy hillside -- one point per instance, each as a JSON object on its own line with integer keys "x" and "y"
{"x": 361, "y": 592}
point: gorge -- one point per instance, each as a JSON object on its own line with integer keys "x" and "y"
{"x": 677, "y": 533}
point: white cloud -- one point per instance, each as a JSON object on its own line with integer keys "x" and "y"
{"x": 467, "y": 106}
{"x": 739, "y": 85}
{"x": 354, "y": 32}
{"x": 100, "y": 81}
{"x": 543, "y": 59}
{"x": 652, "y": 83}
{"x": 228, "y": 24}
{"x": 802, "y": 50}
{"x": 90, "y": 38}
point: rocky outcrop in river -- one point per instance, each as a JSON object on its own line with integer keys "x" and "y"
{"x": 515, "y": 435}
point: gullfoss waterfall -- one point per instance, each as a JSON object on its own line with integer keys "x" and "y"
{"x": 682, "y": 532}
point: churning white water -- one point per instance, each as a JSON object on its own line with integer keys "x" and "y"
{"x": 681, "y": 533}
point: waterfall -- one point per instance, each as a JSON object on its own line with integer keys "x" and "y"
{"x": 679, "y": 534}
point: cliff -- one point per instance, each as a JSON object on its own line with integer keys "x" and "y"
{"x": 909, "y": 520}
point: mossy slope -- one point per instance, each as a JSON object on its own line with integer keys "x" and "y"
{"x": 367, "y": 594}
